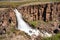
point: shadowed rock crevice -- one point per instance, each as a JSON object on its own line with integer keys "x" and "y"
{"x": 59, "y": 26}
{"x": 44, "y": 13}
{"x": 56, "y": 31}
{"x": 10, "y": 20}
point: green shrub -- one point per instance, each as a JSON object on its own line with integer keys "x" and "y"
{"x": 34, "y": 23}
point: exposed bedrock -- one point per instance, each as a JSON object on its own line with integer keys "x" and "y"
{"x": 7, "y": 18}
{"x": 45, "y": 12}
{"x": 49, "y": 12}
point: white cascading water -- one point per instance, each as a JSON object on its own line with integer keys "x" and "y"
{"x": 23, "y": 26}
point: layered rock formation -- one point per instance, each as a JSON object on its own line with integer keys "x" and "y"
{"x": 49, "y": 12}
{"x": 45, "y": 12}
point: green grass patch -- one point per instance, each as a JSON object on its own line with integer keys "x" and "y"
{"x": 56, "y": 37}
{"x": 15, "y": 4}
{"x": 34, "y": 23}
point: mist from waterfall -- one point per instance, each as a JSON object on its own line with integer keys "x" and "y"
{"x": 23, "y": 26}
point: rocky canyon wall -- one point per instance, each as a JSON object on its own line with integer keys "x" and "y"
{"x": 45, "y": 12}
{"x": 7, "y": 19}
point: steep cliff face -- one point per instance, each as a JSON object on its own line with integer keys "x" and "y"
{"x": 45, "y": 12}
{"x": 49, "y": 13}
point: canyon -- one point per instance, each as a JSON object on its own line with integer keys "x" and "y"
{"x": 49, "y": 13}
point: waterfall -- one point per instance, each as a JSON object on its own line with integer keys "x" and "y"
{"x": 23, "y": 26}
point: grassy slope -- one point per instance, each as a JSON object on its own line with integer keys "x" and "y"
{"x": 14, "y": 4}
{"x": 55, "y": 37}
